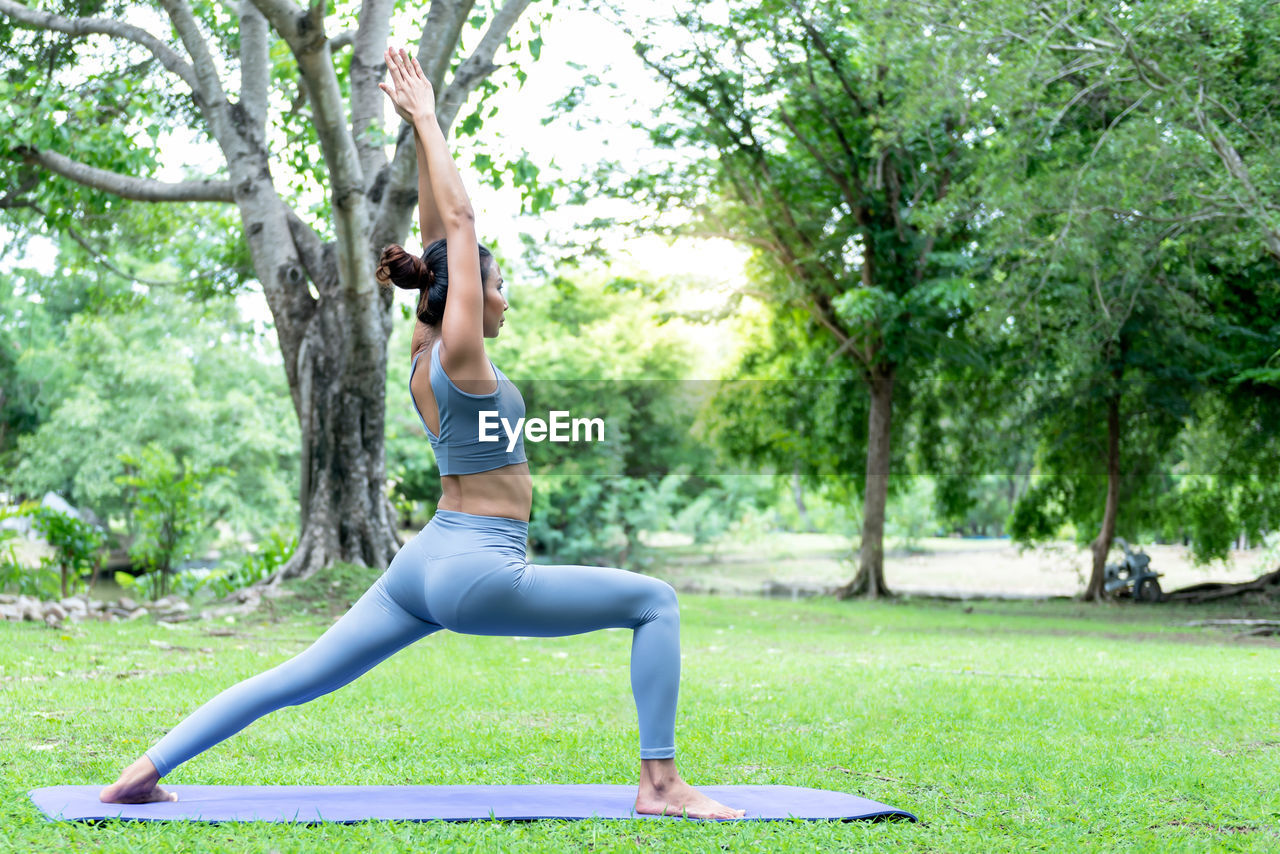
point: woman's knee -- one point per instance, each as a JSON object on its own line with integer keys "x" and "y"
{"x": 660, "y": 599}
{"x": 667, "y": 595}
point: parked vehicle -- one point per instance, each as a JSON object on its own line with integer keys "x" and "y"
{"x": 1132, "y": 576}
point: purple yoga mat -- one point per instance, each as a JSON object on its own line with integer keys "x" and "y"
{"x": 453, "y": 803}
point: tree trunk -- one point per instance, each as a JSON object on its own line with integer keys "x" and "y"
{"x": 345, "y": 514}
{"x": 806, "y": 524}
{"x": 1102, "y": 544}
{"x": 870, "y": 578}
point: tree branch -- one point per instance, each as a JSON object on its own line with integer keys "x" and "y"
{"x": 35, "y": 19}
{"x": 255, "y": 66}
{"x": 209, "y": 91}
{"x": 368, "y": 64}
{"x": 126, "y": 186}
{"x": 344, "y": 39}
{"x": 102, "y": 259}
{"x": 479, "y": 64}
{"x": 399, "y": 192}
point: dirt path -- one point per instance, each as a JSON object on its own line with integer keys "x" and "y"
{"x": 967, "y": 567}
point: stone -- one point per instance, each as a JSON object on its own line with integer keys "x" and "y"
{"x": 10, "y": 612}
{"x": 55, "y": 609}
{"x": 128, "y": 604}
{"x": 52, "y": 619}
{"x": 30, "y": 610}
{"x": 138, "y": 613}
{"x": 7, "y": 598}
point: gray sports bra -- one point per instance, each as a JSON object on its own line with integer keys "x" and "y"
{"x": 458, "y": 447}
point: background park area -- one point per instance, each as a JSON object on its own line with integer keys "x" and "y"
{"x": 922, "y": 336}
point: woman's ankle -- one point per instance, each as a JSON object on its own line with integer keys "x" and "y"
{"x": 659, "y": 774}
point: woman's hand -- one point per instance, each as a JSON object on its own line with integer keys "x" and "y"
{"x": 413, "y": 95}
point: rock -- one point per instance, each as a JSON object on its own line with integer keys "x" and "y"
{"x": 10, "y": 612}
{"x": 97, "y": 605}
{"x": 7, "y": 598}
{"x": 177, "y": 607}
{"x": 56, "y": 502}
{"x": 74, "y": 603}
{"x": 793, "y": 590}
{"x": 54, "y": 609}
{"x": 30, "y": 610}
{"x": 137, "y": 613}
{"x": 53, "y": 619}
{"x": 128, "y": 604}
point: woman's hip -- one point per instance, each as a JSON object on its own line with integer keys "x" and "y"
{"x": 451, "y": 553}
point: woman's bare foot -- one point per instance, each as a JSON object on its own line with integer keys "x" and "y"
{"x": 663, "y": 792}
{"x": 137, "y": 785}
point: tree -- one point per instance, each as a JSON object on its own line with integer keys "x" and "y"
{"x": 1108, "y": 201}
{"x": 820, "y": 157}
{"x": 331, "y": 320}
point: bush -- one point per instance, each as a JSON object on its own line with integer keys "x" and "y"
{"x": 234, "y": 573}
{"x": 77, "y": 546}
{"x": 168, "y": 513}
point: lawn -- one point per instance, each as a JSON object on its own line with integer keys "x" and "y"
{"x": 1006, "y": 726}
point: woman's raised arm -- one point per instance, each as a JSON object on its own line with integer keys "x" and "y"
{"x": 463, "y": 325}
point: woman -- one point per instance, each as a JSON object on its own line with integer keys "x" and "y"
{"x": 467, "y": 569}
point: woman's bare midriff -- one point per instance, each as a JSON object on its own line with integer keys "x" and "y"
{"x": 506, "y": 491}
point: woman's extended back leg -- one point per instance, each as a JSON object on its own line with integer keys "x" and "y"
{"x": 375, "y": 628}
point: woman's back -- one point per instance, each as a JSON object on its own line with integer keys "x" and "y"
{"x": 484, "y": 479}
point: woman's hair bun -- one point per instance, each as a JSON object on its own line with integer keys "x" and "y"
{"x": 398, "y": 267}
{"x": 428, "y": 274}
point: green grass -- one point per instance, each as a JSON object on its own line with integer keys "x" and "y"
{"x": 1006, "y": 726}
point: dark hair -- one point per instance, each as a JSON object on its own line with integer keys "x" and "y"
{"x": 428, "y": 274}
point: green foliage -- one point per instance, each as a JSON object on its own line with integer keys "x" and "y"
{"x": 77, "y": 545}
{"x": 598, "y": 353}
{"x": 245, "y": 569}
{"x": 214, "y": 394}
{"x": 169, "y": 518}
{"x": 41, "y": 581}
{"x": 233, "y": 573}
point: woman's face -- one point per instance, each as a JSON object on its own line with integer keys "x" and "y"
{"x": 495, "y": 299}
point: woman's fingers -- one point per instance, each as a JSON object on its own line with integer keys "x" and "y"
{"x": 393, "y": 65}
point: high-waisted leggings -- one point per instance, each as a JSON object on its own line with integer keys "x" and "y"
{"x": 468, "y": 574}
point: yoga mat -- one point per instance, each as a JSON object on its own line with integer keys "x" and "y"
{"x": 345, "y": 804}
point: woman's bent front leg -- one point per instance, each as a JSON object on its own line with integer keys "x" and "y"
{"x": 520, "y": 598}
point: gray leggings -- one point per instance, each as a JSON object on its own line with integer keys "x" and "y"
{"x": 468, "y": 574}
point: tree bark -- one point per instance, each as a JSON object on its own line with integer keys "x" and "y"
{"x": 869, "y": 581}
{"x": 1093, "y": 592}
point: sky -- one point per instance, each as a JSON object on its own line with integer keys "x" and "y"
{"x": 571, "y": 36}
